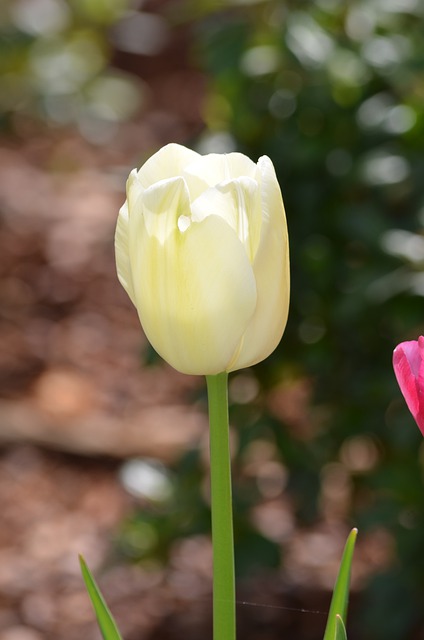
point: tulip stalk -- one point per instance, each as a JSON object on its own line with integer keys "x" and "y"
{"x": 224, "y": 617}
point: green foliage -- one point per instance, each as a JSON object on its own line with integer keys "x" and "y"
{"x": 340, "y": 633}
{"x": 338, "y": 609}
{"x": 105, "y": 619}
{"x": 55, "y": 67}
{"x": 332, "y": 92}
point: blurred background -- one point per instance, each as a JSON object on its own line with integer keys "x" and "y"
{"x": 103, "y": 446}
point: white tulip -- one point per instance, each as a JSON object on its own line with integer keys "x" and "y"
{"x": 202, "y": 251}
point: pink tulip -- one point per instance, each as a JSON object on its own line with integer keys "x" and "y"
{"x": 408, "y": 363}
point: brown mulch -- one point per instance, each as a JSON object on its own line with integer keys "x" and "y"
{"x": 74, "y": 400}
{"x": 56, "y": 506}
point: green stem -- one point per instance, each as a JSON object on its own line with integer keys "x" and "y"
{"x": 224, "y": 617}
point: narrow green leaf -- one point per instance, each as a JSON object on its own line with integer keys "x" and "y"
{"x": 105, "y": 619}
{"x": 340, "y": 629}
{"x": 340, "y": 597}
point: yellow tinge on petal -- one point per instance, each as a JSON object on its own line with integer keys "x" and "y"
{"x": 238, "y": 203}
{"x": 188, "y": 282}
{"x": 168, "y": 162}
{"x": 123, "y": 265}
{"x": 272, "y": 275}
{"x": 202, "y": 250}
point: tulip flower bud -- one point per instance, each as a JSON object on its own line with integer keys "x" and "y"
{"x": 202, "y": 251}
{"x": 408, "y": 363}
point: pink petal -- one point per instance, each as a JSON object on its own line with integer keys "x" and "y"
{"x": 408, "y": 364}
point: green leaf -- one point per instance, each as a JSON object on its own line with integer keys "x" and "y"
{"x": 105, "y": 619}
{"x": 340, "y": 629}
{"x": 338, "y": 608}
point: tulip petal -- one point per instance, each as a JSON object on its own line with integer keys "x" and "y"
{"x": 210, "y": 170}
{"x": 123, "y": 265}
{"x": 408, "y": 367}
{"x": 162, "y": 205}
{"x": 238, "y": 203}
{"x": 412, "y": 355}
{"x": 134, "y": 190}
{"x": 168, "y": 162}
{"x": 271, "y": 269}
{"x": 195, "y": 292}
{"x": 420, "y": 381}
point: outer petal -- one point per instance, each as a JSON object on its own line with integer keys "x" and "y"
{"x": 134, "y": 189}
{"x": 408, "y": 365}
{"x": 195, "y": 292}
{"x": 168, "y": 162}
{"x": 271, "y": 269}
{"x": 411, "y": 351}
{"x": 123, "y": 266}
{"x": 420, "y": 381}
{"x": 134, "y": 192}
